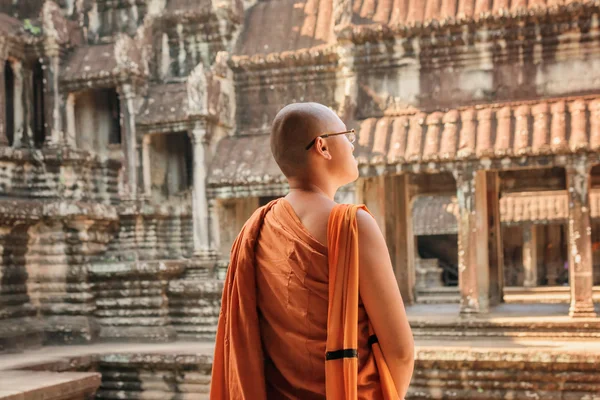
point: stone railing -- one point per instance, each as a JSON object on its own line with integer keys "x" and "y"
{"x": 59, "y": 173}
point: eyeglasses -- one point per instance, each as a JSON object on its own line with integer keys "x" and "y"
{"x": 351, "y": 135}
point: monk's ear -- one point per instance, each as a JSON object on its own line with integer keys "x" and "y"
{"x": 322, "y": 148}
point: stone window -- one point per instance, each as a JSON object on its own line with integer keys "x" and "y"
{"x": 170, "y": 164}
{"x": 97, "y": 121}
{"x": 39, "y": 121}
{"x": 9, "y": 82}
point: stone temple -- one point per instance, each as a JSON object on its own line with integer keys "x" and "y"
{"x": 134, "y": 145}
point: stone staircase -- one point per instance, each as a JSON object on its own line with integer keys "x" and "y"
{"x": 154, "y": 376}
{"x": 501, "y": 373}
{"x": 471, "y": 368}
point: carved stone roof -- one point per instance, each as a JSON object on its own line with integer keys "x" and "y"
{"x": 105, "y": 61}
{"x": 558, "y": 126}
{"x": 278, "y": 26}
{"x": 424, "y": 12}
{"x": 91, "y": 62}
{"x": 165, "y": 103}
{"x": 10, "y": 26}
{"x": 244, "y": 160}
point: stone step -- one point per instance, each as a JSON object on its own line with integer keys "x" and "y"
{"x": 523, "y": 328}
{"x": 443, "y": 372}
{"x": 34, "y": 385}
{"x": 469, "y": 369}
{"x": 543, "y": 294}
{"x": 438, "y": 289}
{"x": 438, "y": 299}
{"x": 438, "y": 295}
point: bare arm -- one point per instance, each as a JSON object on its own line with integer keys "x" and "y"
{"x": 381, "y": 297}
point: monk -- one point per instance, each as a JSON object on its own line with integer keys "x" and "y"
{"x": 310, "y": 307}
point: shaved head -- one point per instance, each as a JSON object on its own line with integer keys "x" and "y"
{"x": 293, "y": 128}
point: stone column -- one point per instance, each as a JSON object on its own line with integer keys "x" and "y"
{"x": 530, "y": 259}
{"x": 199, "y": 200}
{"x": 496, "y": 247}
{"x": 129, "y": 140}
{"x": 19, "y": 118}
{"x": 580, "y": 238}
{"x": 28, "y": 102}
{"x": 388, "y": 198}
{"x": 473, "y": 237}
{"x": 146, "y": 177}
{"x": 70, "y": 134}
{"x": 399, "y": 234}
{"x": 53, "y": 100}
{"x": 3, "y": 138}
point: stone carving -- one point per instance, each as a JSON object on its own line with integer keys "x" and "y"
{"x": 197, "y": 91}
{"x": 55, "y": 26}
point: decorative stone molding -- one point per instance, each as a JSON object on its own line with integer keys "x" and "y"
{"x": 315, "y": 56}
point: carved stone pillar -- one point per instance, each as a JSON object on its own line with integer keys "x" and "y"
{"x": 530, "y": 259}
{"x": 28, "y": 139}
{"x": 146, "y": 176}
{"x": 495, "y": 243}
{"x": 126, "y": 97}
{"x": 388, "y": 198}
{"x": 3, "y": 138}
{"x": 580, "y": 239}
{"x": 53, "y": 101}
{"x": 19, "y": 112}
{"x": 473, "y": 236}
{"x": 199, "y": 201}
{"x": 70, "y": 133}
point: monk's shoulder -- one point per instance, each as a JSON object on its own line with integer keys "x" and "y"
{"x": 368, "y": 230}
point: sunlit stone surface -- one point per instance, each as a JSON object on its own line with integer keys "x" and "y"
{"x": 134, "y": 145}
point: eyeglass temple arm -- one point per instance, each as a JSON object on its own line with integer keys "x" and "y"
{"x": 315, "y": 139}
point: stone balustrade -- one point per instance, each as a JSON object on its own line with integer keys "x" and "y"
{"x": 59, "y": 173}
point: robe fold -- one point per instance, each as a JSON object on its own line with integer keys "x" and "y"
{"x": 292, "y": 325}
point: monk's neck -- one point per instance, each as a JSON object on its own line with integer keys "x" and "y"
{"x": 308, "y": 188}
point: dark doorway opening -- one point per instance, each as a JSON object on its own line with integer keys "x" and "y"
{"x": 39, "y": 118}
{"x": 9, "y": 84}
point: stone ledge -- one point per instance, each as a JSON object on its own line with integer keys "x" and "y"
{"x": 508, "y": 321}
{"x": 30, "y": 385}
{"x": 463, "y": 369}
{"x": 18, "y": 334}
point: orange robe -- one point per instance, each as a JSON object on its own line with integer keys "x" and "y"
{"x": 292, "y": 325}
